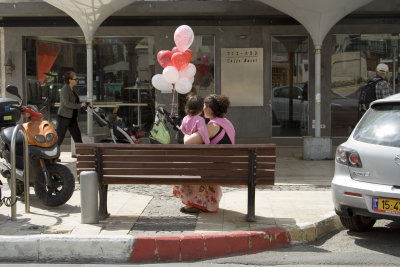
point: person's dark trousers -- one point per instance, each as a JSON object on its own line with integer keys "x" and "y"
{"x": 65, "y": 124}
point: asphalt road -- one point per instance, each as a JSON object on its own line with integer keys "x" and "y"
{"x": 380, "y": 247}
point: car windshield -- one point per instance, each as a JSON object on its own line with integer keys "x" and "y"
{"x": 381, "y": 125}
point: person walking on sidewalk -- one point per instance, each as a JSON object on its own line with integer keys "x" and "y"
{"x": 376, "y": 88}
{"x": 382, "y": 88}
{"x": 69, "y": 109}
{"x": 221, "y": 131}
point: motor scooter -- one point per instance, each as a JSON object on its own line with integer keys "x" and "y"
{"x": 53, "y": 183}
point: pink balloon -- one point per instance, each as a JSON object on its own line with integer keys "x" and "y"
{"x": 183, "y": 37}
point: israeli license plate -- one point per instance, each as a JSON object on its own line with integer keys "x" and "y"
{"x": 7, "y": 118}
{"x": 386, "y": 205}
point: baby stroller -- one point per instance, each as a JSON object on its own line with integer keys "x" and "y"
{"x": 118, "y": 135}
{"x": 160, "y": 132}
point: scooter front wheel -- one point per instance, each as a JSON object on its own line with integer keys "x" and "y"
{"x": 60, "y": 189}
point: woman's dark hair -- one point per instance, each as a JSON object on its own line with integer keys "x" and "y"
{"x": 194, "y": 105}
{"x": 68, "y": 76}
{"x": 218, "y": 104}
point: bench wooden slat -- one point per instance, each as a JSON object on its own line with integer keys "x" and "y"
{"x": 206, "y": 153}
{"x": 85, "y": 158}
{"x": 116, "y": 158}
{"x": 169, "y": 171}
{"x": 130, "y": 158}
{"x": 162, "y": 165}
{"x": 80, "y": 146}
{"x": 221, "y": 165}
{"x": 259, "y": 171}
{"x": 171, "y": 180}
{"x": 85, "y": 164}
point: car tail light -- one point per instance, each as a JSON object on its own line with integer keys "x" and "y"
{"x": 348, "y": 157}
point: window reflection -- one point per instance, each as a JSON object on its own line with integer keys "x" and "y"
{"x": 354, "y": 60}
{"x": 203, "y": 58}
{"x": 122, "y": 71}
{"x": 289, "y": 85}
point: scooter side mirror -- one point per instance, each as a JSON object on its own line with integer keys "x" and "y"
{"x": 12, "y": 89}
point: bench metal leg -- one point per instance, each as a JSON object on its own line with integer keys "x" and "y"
{"x": 251, "y": 200}
{"x": 251, "y": 187}
{"x": 103, "y": 213}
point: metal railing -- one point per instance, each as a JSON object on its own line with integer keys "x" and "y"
{"x": 13, "y": 180}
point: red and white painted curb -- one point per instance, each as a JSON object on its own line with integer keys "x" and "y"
{"x": 126, "y": 248}
{"x": 199, "y": 246}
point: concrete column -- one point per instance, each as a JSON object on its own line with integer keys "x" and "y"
{"x": 89, "y": 66}
{"x": 2, "y": 64}
{"x": 317, "y": 91}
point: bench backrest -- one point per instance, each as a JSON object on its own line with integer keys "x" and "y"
{"x": 178, "y": 164}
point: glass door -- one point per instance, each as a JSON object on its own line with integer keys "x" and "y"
{"x": 289, "y": 86}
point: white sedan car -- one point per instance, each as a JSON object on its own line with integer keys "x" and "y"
{"x": 366, "y": 183}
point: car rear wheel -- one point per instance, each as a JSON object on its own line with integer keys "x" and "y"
{"x": 357, "y": 223}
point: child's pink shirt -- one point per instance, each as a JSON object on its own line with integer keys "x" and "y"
{"x": 192, "y": 124}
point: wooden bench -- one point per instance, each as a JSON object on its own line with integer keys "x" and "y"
{"x": 239, "y": 164}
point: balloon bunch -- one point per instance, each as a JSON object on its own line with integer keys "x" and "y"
{"x": 178, "y": 72}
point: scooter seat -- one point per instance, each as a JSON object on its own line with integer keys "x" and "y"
{"x": 6, "y": 135}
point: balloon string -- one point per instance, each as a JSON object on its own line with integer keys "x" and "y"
{"x": 173, "y": 100}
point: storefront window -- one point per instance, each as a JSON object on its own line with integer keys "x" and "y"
{"x": 289, "y": 86}
{"x": 122, "y": 71}
{"x": 354, "y": 60}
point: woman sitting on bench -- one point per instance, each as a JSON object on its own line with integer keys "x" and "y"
{"x": 221, "y": 131}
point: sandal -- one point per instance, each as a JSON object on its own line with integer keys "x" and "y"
{"x": 189, "y": 210}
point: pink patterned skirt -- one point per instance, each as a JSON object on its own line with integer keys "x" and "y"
{"x": 204, "y": 197}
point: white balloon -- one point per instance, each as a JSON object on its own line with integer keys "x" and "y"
{"x": 183, "y": 86}
{"x": 160, "y": 83}
{"x": 188, "y": 72}
{"x": 171, "y": 74}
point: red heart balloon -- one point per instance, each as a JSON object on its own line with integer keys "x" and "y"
{"x": 189, "y": 51}
{"x": 181, "y": 60}
{"x": 164, "y": 58}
